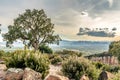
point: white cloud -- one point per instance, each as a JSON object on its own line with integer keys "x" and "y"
{"x": 110, "y": 3}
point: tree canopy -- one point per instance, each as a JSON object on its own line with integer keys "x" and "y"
{"x": 33, "y": 28}
{"x": 114, "y": 49}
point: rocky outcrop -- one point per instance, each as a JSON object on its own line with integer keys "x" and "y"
{"x": 30, "y": 74}
{"x": 106, "y": 76}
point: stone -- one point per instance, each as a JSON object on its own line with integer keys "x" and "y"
{"x": 30, "y": 74}
{"x": 3, "y": 67}
{"x": 2, "y": 75}
{"x": 104, "y": 75}
{"x": 14, "y": 74}
{"x": 84, "y": 77}
{"x": 56, "y": 77}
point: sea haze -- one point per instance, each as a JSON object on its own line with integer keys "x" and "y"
{"x": 89, "y": 47}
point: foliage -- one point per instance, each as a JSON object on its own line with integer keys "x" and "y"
{"x": 99, "y": 65}
{"x": 45, "y": 49}
{"x": 36, "y": 61}
{"x": 112, "y": 69}
{"x": 2, "y": 53}
{"x": 117, "y": 76}
{"x": 74, "y": 68}
{"x": 106, "y": 67}
{"x": 114, "y": 48}
{"x": 65, "y": 54}
{"x": 33, "y": 28}
{"x": 56, "y": 60}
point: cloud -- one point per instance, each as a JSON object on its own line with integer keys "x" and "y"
{"x": 68, "y": 16}
{"x": 110, "y": 3}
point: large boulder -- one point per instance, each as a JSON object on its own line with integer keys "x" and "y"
{"x": 56, "y": 77}
{"x": 104, "y": 75}
{"x": 3, "y": 67}
{"x": 14, "y": 74}
{"x": 30, "y": 74}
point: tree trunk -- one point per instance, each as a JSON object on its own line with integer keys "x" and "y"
{"x": 36, "y": 46}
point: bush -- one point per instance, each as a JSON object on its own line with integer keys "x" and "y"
{"x": 74, "y": 68}
{"x": 2, "y": 54}
{"x": 112, "y": 69}
{"x": 45, "y": 49}
{"x": 56, "y": 60}
{"x": 36, "y": 61}
{"x": 99, "y": 65}
{"x": 65, "y": 54}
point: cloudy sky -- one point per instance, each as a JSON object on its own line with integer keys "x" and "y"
{"x": 67, "y": 15}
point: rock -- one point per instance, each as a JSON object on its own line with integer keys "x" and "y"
{"x": 106, "y": 76}
{"x": 56, "y": 77}
{"x": 84, "y": 77}
{"x": 3, "y": 67}
{"x": 2, "y": 75}
{"x": 14, "y": 74}
{"x": 30, "y": 74}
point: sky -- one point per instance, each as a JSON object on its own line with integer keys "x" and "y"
{"x": 68, "y": 15}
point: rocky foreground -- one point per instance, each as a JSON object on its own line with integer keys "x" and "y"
{"x": 29, "y": 74}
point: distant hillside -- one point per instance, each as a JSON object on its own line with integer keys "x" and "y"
{"x": 89, "y": 47}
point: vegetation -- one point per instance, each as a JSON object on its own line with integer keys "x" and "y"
{"x": 33, "y": 28}
{"x": 36, "y": 61}
{"x": 56, "y": 60}
{"x": 98, "y": 65}
{"x": 45, "y": 49}
{"x": 74, "y": 68}
{"x": 114, "y": 49}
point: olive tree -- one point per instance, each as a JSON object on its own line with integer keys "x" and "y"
{"x": 33, "y": 28}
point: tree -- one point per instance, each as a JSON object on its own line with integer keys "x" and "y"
{"x": 33, "y": 28}
{"x": 114, "y": 49}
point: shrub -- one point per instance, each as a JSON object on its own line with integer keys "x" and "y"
{"x": 74, "y": 68}
{"x": 36, "y": 61}
{"x": 45, "y": 49}
{"x": 98, "y": 65}
{"x": 65, "y": 54}
{"x": 56, "y": 60}
{"x": 1, "y": 53}
{"x": 112, "y": 69}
